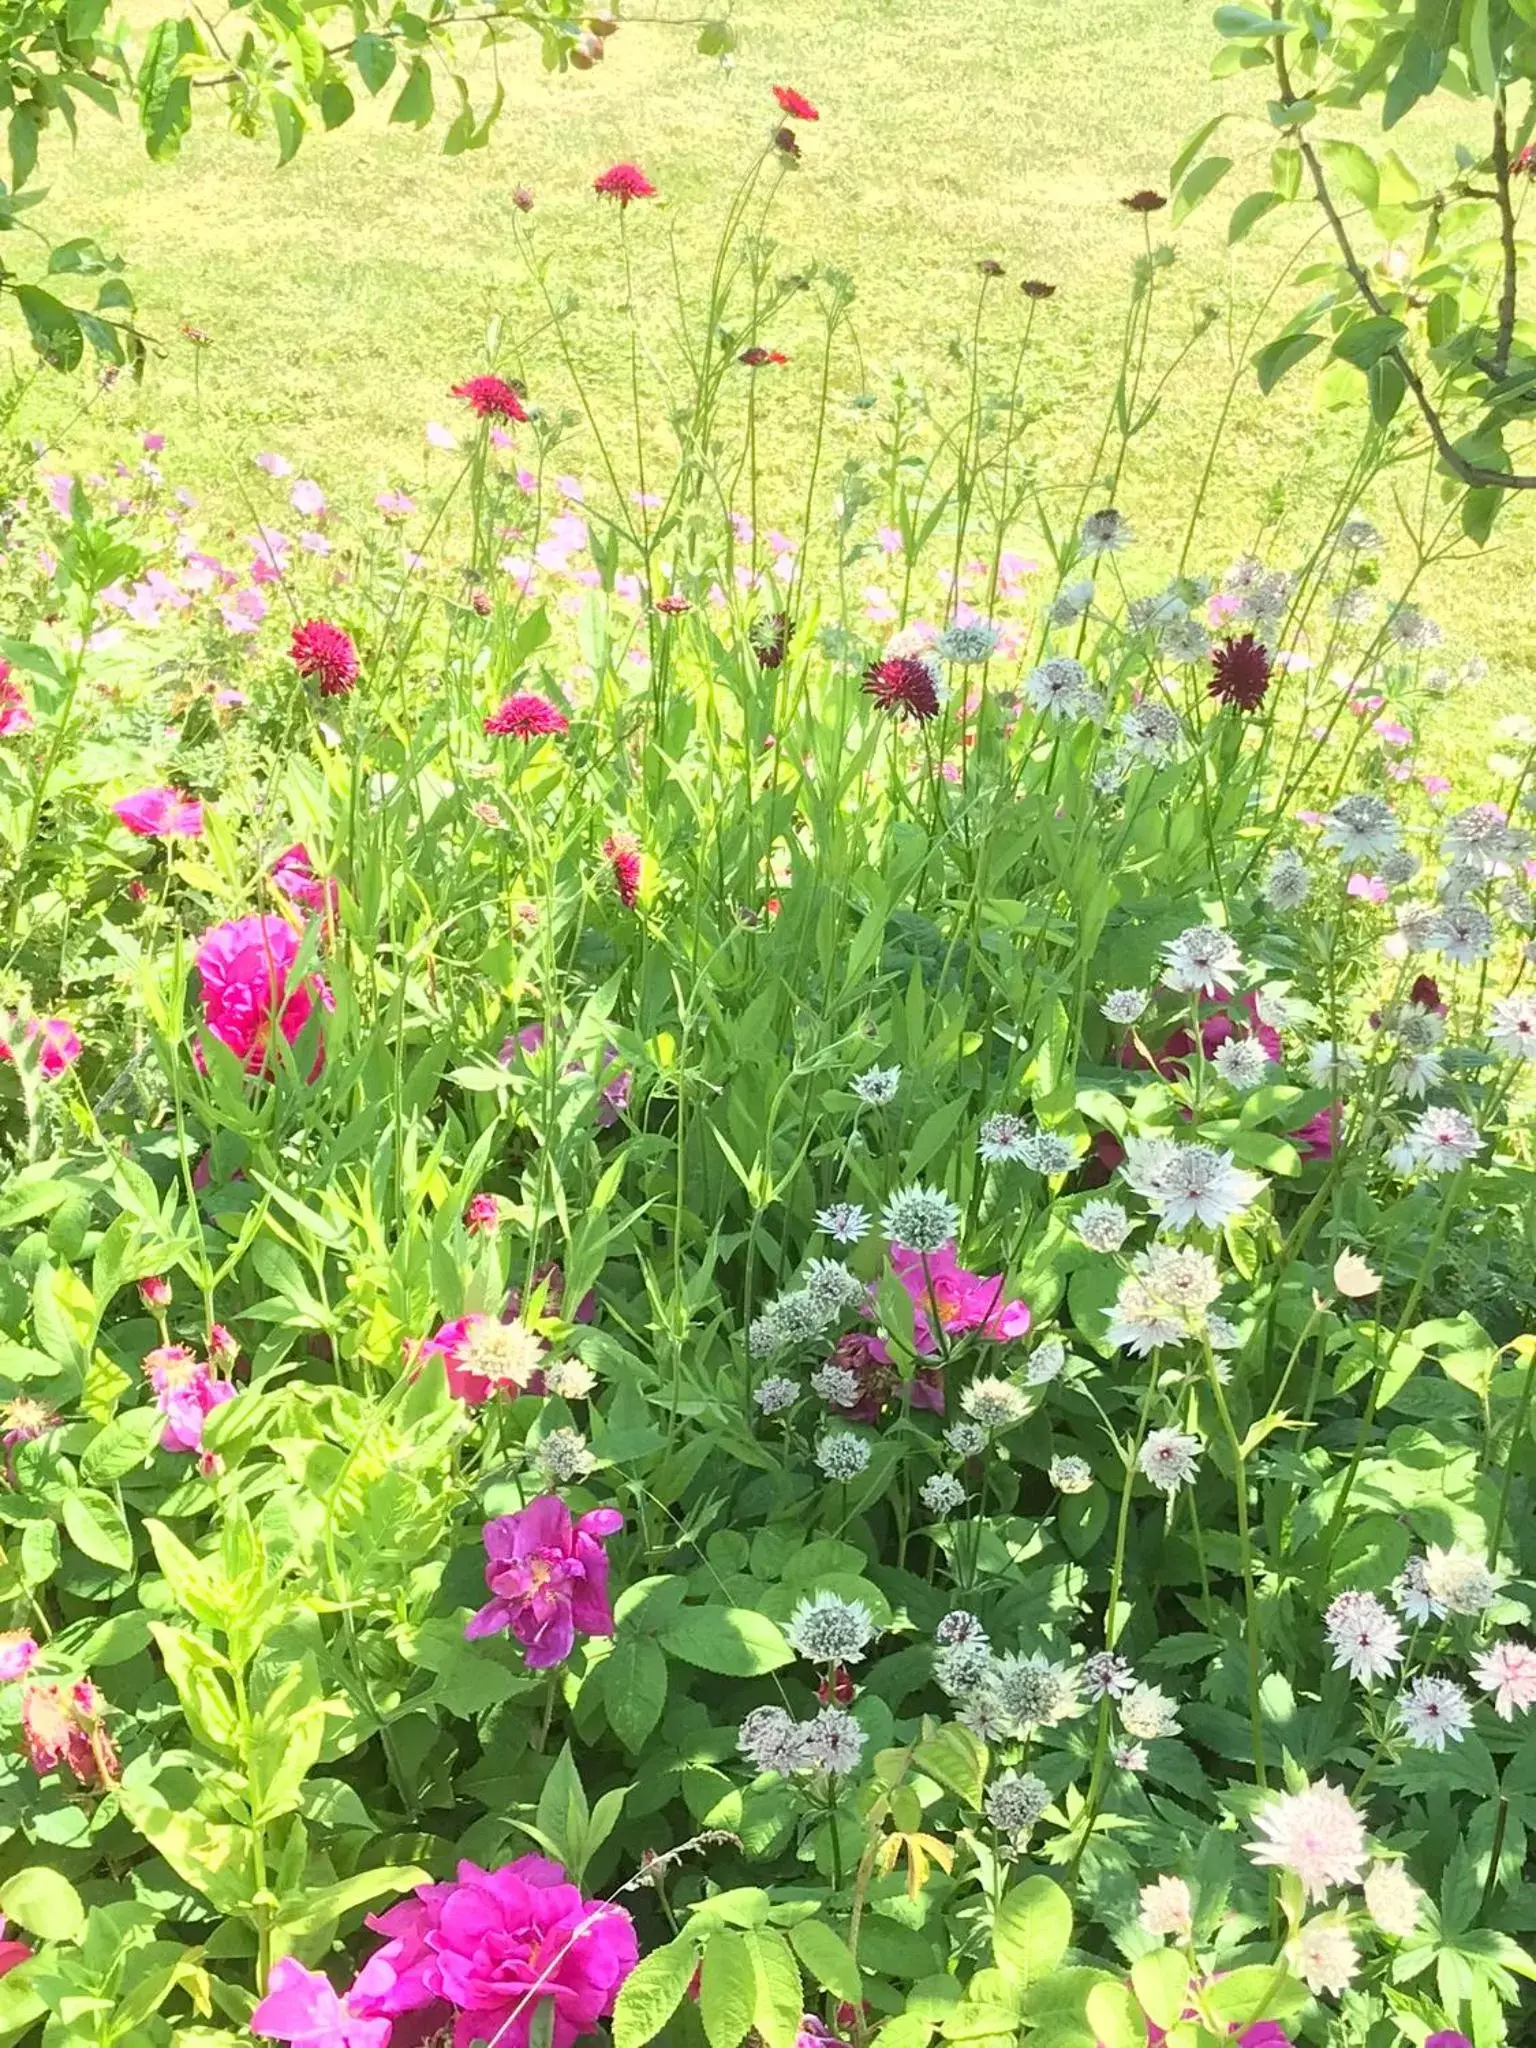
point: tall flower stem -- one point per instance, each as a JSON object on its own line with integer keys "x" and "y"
{"x": 1245, "y": 1544}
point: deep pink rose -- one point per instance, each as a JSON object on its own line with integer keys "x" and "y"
{"x": 303, "y": 2007}
{"x": 496, "y": 1945}
{"x": 293, "y": 875}
{"x": 548, "y": 1578}
{"x": 246, "y": 968}
{"x": 186, "y": 1394}
{"x": 1218, "y": 1024}
{"x": 11, "y": 1952}
{"x": 162, "y": 813}
{"x": 963, "y": 1301}
{"x": 1316, "y": 1138}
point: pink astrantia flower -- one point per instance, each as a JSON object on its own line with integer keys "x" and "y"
{"x": 302, "y": 2006}
{"x": 186, "y": 1393}
{"x": 548, "y": 1578}
{"x": 246, "y": 971}
{"x": 59, "y": 1048}
{"x": 494, "y": 1947}
{"x": 1508, "y": 1671}
{"x": 963, "y": 1301}
{"x": 161, "y": 813}
{"x": 18, "y": 1653}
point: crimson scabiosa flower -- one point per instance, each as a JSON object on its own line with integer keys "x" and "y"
{"x": 526, "y": 716}
{"x": 901, "y": 684}
{"x": 482, "y": 1214}
{"x": 621, "y": 850}
{"x": 623, "y": 182}
{"x": 673, "y": 605}
{"x": 324, "y": 654}
{"x": 795, "y": 104}
{"x": 1240, "y": 671}
{"x": 1145, "y": 202}
{"x": 1037, "y": 288}
{"x": 756, "y": 357}
{"x": 491, "y": 398}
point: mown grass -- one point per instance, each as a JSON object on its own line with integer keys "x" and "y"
{"x": 344, "y": 292}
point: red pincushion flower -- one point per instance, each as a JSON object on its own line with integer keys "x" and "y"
{"x": 526, "y": 717}
{"x": 1240, "y": 672}
{"x": 624, "y": 182}
{"x": 621, "y": 850}
{"x": 673, "y": 605}
{"x": 901, "y": 684}
{"x": 795, "y": 104}
{"x": 1145, "y": 202}
{"x": 490, "y": 398}
{"x": 755, "y": 358}
{"x": 325, "y": 654}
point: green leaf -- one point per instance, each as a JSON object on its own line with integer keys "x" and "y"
{"x": 414, "y": 106}
{"x": 727, "y": 1990}
{"x": 1283, "y": 354}
{"x": 308, "y": 1912}
{"x": 1160, "y": 1980}
{"x": 1114, "y": 2018}
{"x": 23, "y": 143}
{"x": 288, "y": 120}
{"x": 1364, "y": 341}
{"x": 95, "y": 1524}
{"x": 730, "y": 1640}
{"x": 198, "y": 1672}
{"x": 165, "y": 96}
{"x": 1032, "y": 1929}
{"x": 1249, "y": 24}
{"x": 122, "y": 1446}
{"x": 1193, "y": 147}
{"x": 778, "y": 2006}
{"x": 337, "y": 106}
{"x": 63, "y": 1315}
{"x": 1248, "y": 212}
{"x": 562, "y": 1810}
{"x": 653, "y": 1991}
{"x": 634, "y": 1688}
{"x": 374, "y": 57}
{"x": 1202, "y": 180}
{"x": 828, "y": 1959}
{"x": 1347, "y": 164}
{"x": 212, "y": 1857}
{"x": 957, "y": 1759}
{"x": 46, "y": 1904}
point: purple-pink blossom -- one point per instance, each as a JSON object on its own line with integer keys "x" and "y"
{"x": 161, "y": 813}
{"x": 548, "y": 1578}
{"x": 303, "y": 2007}
{"x": 186, "y": 1394}
{"x": 962, "y": 1301}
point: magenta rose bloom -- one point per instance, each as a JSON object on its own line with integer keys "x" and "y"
{"x": 246, "y": 969}
{"x": 58, "y": 1051}
{"x": 186, "y": 1394}
{"x": 964, "y": 1301}
{"x": 548, "y": 1578}
{"x": 496, "y": 1945}
{"x": 293, "y": 875}
{"x": 304, "y": 2007}
{"x": 161, "y": 814}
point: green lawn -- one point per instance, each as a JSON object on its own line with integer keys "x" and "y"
{"x": 345, "y": 292}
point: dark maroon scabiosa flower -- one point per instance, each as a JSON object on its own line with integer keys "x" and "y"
{"x": 787, "y": 143}
{"x": 490, "y": 398}
{"x": 903, "y": 684}
{"x": 623, "y": 182}
{"x": 621, "y": 850}
{"x": 673, "y": 605}
{"x": 770, "y": 638}
{"x": 526, "y": 717}
{"x": 755, "y": 358}
{"x": 325, "y": 655}
{"x": 1037, "y": 288}
{"x": 1240, "y": 672}
{"x": 1425, "y": 995}
{"x": 1145, "y": 202}
{"x": 795, "y": 104}
{"x": 522, "y": 199}
{"x": 480, "y": 603}
{"x": 990, "y": 267}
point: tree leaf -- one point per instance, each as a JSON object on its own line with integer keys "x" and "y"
{"x": 1160, "y": 1980}
{"x": 778, "y": 2004}
{"x": 1248, "y": 212}
{"x": 414, "y": 106}
{"x": 165, "y": 96}
{"x": 1283, "y": 354}
{"x": 730, "y": 1640}
{"x": 1202, "y": 180}
{"x": 122, "y": 1446}
{"x": 1363, "y": 341}
{"x": 828, "y": 1959}
{"x": 727, "y": 1990}
{"x": 374, "y": 57}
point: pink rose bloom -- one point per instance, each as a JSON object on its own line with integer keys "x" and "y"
{"x": 162, "y": 813}
{"x": 293, "y": 875}
{"x": 1391, "y": 734}
{"x": 548, "y": 1578}
{"x": 18, "y": 1653}
{"x": 482, "y": 1213}
{"x": 11, "y": 1952}
{"x": 60, "y": 1046}
{"x": 477, "y": 1365}
{"x": 495, "y": 1946}
{"x": 186, "y": 1394}
{"x": 1316, "y": 1138}
{"x": 964, "y": 1301}
{"x": 246, "y": 969}
{"x": 302, "y": 2006}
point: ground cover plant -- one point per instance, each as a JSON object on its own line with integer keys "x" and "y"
{"x": 766, "y": 1263}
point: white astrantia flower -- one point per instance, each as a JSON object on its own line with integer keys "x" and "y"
{"x": 1360, "y": 537}
{"x": 966, "y": 1439}
{"x": 876, "y": 1085}
{"x": 1441, "y": 1140}
{"x": 1070, "y": 603}
{"x": 960, "y": 1626}
{"x": 1482, "y": 836}
{"x": 1242, "y": 1063}
{"x": 1058, "y": 688}
{"x": 1366, "y": 1639}
{"x": 1003, "y": 1139}
{"x": 942, "y": 1493}
{"x": 1361, "y": 828}
{"x": 828, "y": 1630}
{"x": 965, "y": 645}
{"x": 1013, "y": 1803}
{"x": 1151, "y": 730}
{"x": 962, "y": 1669}
{"x": 1330, "y": 1065}
{"x": 844, "y": 1222}
{"x": 1124, "y": 1005}
{"x": 1325, "y": 1956}
{"x": 920, "y": 1219}
{"x": 772, "y": 1740}
{"x": 1033, "y": 1692}
{"x": 1071, "y": 1475}
{"x": 1166, "y": 1908}
{"x": 1185, "y": 640}
{"x": 1046, "y": 1152}
{"x": 1103, "y": 1225}
{"x": 563, "y": 1456}
{"x": 1288, "y": 883}
{"x": 1418, "y": 927}
{"x": 1222, "y": 1335}
{"x": 842, "y": 1455}
{"x": 1106, "y": 1675}
{"x": 994, "y": 1403}
{"x": 1201, "y": 960}
{"x": 1140, "y": 1322}
{"x": 1129, "y": 1756}
{"x": 1393, "y": 1900}
{"x": 1184, "y": 1276}
{"x": 1147, "y": 1713}
{"x": 1045, "y": 1363}
{"x": 776, "y": 1394}
{"x": 835, "y": 1385}
{"x": 834, "y": 1741}
{"x": 1433, "y": 1712}
{"x": 569, "y": 1379}
{"x": 1458, "y": 1581}
{"x": 1150, "y": 614}
{"x": 1397, "y": 869}
{"x": 985, "y": 1718}
{"x": 1276, "y": 1006}
{"x": 1466, "y": 934}
{"x": 1315, "y": 1834}
{"x": 800, "y": 1315}
{"x": 1412, "y": 1594}
{"x": 832, "y": 1287}
{"x": 1413, "y": 630}
{"x": 1105, "y": 533}
{"x": 1197, "y": 1184}
{"x": 1517, "y": 905}
{"x": 1414, "y": 1074}
{"x": 1512, "y": 1027}
{"x": 1169, "y": 1459}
